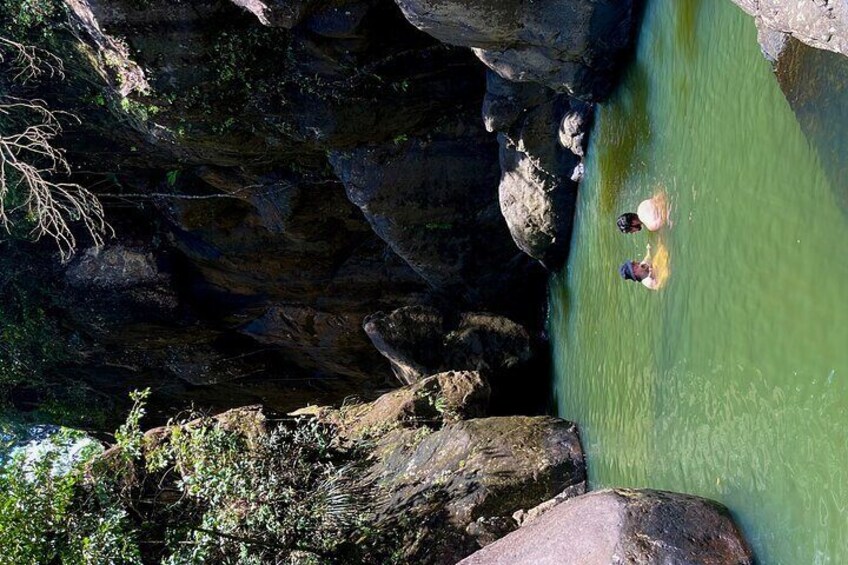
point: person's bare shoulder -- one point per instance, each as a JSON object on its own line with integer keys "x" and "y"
{"x": 650, "y": 283}
{"x": 650, "y": 214}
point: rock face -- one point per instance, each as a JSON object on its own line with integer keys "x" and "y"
{"x": 567, "y": 45}
{"x": 276, "y": 172}
{"x": 432, "y": 199}
{"x": 421, "y": 341}
{"x": 820, "y": 24}
{"x": 464, "y": 482}
{"x": 452, "y": 485}
{"x": 806, "y": 43}
{"x": 623, "y": 526}
{"x": 569, "y": 50}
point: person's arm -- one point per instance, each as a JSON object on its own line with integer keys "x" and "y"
{"x": 647, "y": 258}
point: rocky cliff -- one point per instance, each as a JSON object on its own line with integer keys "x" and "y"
{"x": 277, "y": 173}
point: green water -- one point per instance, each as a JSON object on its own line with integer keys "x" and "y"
{"x": 731, "y": 382}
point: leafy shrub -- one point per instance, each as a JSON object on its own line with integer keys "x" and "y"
{"x": 50, "y": 512}
{"x": 234, "y": 489}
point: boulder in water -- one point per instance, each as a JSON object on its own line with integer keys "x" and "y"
{"x": 623, "y": 526}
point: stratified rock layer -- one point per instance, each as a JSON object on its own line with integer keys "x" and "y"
{"x": 275, "y": 173}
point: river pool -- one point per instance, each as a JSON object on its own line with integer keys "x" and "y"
{"x": 731, "y": 382}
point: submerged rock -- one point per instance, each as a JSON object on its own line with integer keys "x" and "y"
{"x": 572, "y": 46}
{"x": 815, "y": 83}
{"x": 623, "y": 526}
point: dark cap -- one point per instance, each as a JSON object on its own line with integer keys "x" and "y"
{"x": 626, "y": 271}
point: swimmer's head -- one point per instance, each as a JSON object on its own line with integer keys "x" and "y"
{"x": 629, "y": 223}
{"x": 634, "y": 271}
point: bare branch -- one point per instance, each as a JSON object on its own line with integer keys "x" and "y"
{"x": 30, "y": 62}
{"x": 29, "y": 163}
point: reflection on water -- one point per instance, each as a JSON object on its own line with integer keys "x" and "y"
{"x": 624, "y": 136}
{"x": 732, "y": 381}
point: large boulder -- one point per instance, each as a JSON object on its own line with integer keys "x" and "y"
{"x": 542, "y": 137}
{"x": 460, "y": 485}
{"x": 820, "y": 24}
{"x": 572, "y": 46}
{"x": 623, "y": 526}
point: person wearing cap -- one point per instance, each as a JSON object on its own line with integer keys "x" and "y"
{"x": 650, "y": 214}
{"x": 640, "y": 271}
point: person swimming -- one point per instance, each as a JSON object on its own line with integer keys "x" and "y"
{"x": 640, "y": 271}
{"x": 650, "y": 214}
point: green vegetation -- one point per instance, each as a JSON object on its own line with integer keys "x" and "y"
{"x": 27, "y": 20}
{"x": 50, "y": 512}
{"x": 29, "y": 339}
{"x": 232, "y": 489}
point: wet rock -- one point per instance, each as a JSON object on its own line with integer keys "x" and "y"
{"x": 820, "y": 24}
{"x": 569, "y": 46}
{"x": 623, "y": 526}
{"x": 813, "y": 81}
{"x": 462, "y": 483}
{"x": 421, "y": 341}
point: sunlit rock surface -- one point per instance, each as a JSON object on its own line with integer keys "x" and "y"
{"x": 623, "y": 526}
